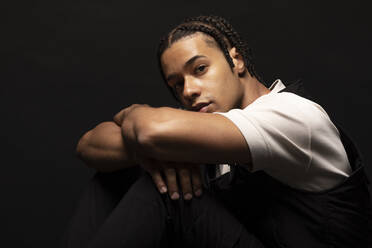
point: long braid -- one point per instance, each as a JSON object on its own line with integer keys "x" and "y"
{"x": 220, "y": 30}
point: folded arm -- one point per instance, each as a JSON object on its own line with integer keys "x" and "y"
{"x": 103, "y": 148}
{"x": 164, "y": 140}
{"x": 175, "y": 135}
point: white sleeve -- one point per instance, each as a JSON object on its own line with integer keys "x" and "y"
{"x": 276, "y": 128}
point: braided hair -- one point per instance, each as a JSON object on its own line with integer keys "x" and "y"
{"x": 216, "y": 27}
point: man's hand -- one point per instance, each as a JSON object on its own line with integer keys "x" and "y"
{"x": 168, "y": 177}
{"x": 186, "y": 175}
{"x": 119, "y": 117}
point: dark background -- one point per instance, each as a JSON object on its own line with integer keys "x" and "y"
{"x": 73, "y": 64}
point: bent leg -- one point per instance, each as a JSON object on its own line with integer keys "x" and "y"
{"x": 139, "y": 219}
{"x": 145, "y": 218}
{"x": 206, "y": 222}
{"x": 98, "y": 200}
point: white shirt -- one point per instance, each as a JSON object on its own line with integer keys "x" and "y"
{"x": 292, "y": 139}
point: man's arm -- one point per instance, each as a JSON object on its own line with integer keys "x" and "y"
{"x": 103, "y": 148}
{"x": 175, "y": 135}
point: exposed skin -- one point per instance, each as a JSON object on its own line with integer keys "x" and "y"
{"x": 103, "y": 148}
{"x": 209, "y": 78}
{"x": 176, "y": 141}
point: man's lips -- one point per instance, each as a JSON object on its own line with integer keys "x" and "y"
{"x": 201, "y": 107}
{"x": 204, "y": 109}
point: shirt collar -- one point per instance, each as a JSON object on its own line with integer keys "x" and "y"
{"x": 276, "y": 86}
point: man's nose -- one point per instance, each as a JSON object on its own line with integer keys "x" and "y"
{"x": 191, "y": 88}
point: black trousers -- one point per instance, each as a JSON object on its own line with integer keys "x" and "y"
{"x": 124, "y": 209}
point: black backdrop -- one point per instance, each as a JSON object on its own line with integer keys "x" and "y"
{"x": 72, "y": 64}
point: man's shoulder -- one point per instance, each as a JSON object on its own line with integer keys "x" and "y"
{"x": 282, "y": 99}
{"x": 286, "y": 106}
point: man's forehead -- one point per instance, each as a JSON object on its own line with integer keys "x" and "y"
{"x": 198, "y": 39}
{"x": 186, "y": 48}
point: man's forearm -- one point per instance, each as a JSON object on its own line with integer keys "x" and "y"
{"x": 103, "y": 148}
{"x": 174, "y": 135}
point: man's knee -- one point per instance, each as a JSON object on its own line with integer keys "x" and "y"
{"x": 144, "y": 190}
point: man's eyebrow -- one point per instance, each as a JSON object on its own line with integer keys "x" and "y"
{"x": 188, "y": 62}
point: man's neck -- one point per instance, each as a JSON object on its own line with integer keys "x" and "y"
{"x": 253, "y": 89}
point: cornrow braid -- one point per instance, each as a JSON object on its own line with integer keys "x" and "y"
{"x": 234, "y": 38}
{"x": 220, "y": 30}
{"x": 212, "y": 32}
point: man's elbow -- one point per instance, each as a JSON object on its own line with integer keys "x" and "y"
{"x": 82, "y": 145}
{"x": 83, "y": 153}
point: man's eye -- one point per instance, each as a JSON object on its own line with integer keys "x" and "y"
{"x": 200, "y": 68}
{"x": 178, "y": 85}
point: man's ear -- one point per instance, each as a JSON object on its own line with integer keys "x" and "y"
{"x": 238, "y": 61}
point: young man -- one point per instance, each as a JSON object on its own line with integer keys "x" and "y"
{"x": 266, "y": 167}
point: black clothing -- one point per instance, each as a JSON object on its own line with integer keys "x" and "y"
{"x": 110, "y": 215}
{"x": 238, "y": 209}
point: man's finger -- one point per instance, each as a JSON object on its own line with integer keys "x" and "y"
{"x": 119, "y": 117}
{"x": 158, "y": 180}
{"x": 185, "y": 181}
{"x": 153, "y": 168}
{"x": 196, "y": 180}
{"x": 171, "y": 177}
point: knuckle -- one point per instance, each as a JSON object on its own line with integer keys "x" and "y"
{"x": 184, "y": 172}
{"x": 171, "y": 180}
{"x": 187, "y": 187}
{"x": 170, "y": 176}
{"x": 169, "y": 170}
{"x": 197, "y": 182}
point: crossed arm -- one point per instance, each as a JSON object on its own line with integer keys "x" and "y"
{"x": 164, "y": 140}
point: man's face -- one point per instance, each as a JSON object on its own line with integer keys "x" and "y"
{"x": 198, "y": 72}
